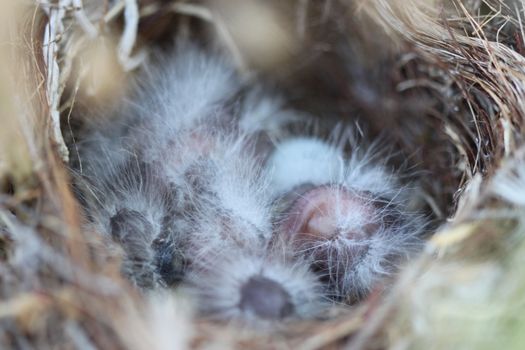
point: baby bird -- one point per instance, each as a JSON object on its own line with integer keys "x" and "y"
{"x": 190, "y": 181}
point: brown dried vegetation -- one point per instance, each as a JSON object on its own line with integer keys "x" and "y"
{"x": 445, "y": 79}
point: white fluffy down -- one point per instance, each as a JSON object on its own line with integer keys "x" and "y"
{"x": 185, "y": 153}
{"x": 304, "y": 160}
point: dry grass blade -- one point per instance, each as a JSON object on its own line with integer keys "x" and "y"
{"x": 446, "y": 78}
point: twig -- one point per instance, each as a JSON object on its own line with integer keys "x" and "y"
{"x": 332, "y": 334}
{"x": 129, "y": 36}
{"x": 83, "y": 21}
{"x": 54, "y": 31}
{"x": 207, "y": 15}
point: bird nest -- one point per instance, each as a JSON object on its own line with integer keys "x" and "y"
{"x": 443, "y": 81}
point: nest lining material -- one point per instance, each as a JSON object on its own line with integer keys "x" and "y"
{"x": 61, "y": 288}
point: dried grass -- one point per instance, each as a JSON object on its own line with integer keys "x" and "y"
{"x": 60, "y": 287}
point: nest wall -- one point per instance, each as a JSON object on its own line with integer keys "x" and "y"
{"x": 445, "y": 79}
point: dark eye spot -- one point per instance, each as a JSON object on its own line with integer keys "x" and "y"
{"x": 265, "y": 298}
